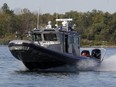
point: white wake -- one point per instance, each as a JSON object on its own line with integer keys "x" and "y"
{"x": 108, "y": 64}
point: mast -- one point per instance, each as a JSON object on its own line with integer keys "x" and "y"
{"x": 38, "y": 13}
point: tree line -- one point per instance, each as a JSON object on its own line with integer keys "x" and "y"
{"x": 96, "y": 27}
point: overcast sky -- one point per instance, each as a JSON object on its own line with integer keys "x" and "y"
{"x": 62, "y": 6}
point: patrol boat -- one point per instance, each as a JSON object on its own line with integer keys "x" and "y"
{"x": 52, "y": 47}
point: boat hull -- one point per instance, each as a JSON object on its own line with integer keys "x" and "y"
{"x": 37, "y": 57}
{"x": 34, "y": 56}
{"x": 34, "y": 59}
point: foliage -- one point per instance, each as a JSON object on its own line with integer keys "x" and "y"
{"x": 95, "y": 27}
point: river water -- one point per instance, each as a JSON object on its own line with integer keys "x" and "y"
{"x": 14, "y": 74}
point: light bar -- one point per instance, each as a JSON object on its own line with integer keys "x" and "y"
{"x": 70, "y": 19}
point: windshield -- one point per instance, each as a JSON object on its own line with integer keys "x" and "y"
{"x": 37, "y": 37}
{"x": 50, "y": 37}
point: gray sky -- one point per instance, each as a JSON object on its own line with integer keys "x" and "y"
{"x": 62, "y": 6}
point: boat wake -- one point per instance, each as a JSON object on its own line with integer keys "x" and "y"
{"x": 108, "y": 64}
{"x": 87, "y": 65}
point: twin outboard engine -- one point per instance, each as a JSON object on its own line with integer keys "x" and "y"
{"x": 96, "y": 53}
{"x": 85, "y": 53}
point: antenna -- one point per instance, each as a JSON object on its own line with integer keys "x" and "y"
{"x": 38, "y": 19}
{"x": 56, "y": 18}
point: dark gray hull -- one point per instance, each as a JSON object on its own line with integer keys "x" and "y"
{"x": 37, "y": 57}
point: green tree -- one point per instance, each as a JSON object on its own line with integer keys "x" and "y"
{"x": 5, "y": 9}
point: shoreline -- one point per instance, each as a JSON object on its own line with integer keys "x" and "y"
{"x": 98, "y": 46}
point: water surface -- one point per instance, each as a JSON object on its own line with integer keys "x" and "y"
{"x": 14, "y": 74}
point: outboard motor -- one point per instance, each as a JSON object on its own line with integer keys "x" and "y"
{"x": 85, "y": 53}
{"x": 96, "y": 53}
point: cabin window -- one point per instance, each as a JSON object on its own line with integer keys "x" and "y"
{"x": 37, "y": 37}
{"x": 50, "y": 37}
